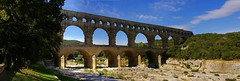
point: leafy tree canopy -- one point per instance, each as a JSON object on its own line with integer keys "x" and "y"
{"x": 29, "y": 30}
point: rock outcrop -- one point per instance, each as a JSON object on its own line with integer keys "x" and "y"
{"x": 232, "y": 66}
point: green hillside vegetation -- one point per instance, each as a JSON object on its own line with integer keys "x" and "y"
{"x": 209, "y": 46}
{"x": 72, "y": 43}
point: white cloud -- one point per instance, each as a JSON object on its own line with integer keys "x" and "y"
{"x": 238, "y": 17}
{"x": 73, "y": 38}
{"x": 169, "y": 5}
{"x": 234, "y": 29}
{"x": 176, "y": 17}
{"x": 184, "y": 27}
{"x": 230, "y": 7}
{"x": 148, "y": 17}
{"x": 91, "y": 6}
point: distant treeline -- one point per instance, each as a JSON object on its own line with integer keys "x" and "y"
{"x": 72, "y": 43}
{"x": 209, "y": 46}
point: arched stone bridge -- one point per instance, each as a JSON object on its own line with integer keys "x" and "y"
{"x": 90, "y": 22}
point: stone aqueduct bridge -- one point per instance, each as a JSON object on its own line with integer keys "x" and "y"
{"x": 90, "y": 22}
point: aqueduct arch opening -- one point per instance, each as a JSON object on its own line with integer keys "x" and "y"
{"x": 100, "y": 37}
{"x": 141, "y": 40}
{"x": 121, "y": 38}
{"x": 158, "y": 41}
{"x": 76, "y": 30}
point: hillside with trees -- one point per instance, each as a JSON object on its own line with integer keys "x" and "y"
{"x": 72, "y": 43}
{"x": 209, "y": 46}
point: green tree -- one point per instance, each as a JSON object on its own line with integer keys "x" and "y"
{"x": 29, "y": 31}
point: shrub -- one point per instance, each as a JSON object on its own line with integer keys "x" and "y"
{"x": 216, "y": 74}
{"x": 228, "y": 79}
{"x": 165, "y": 80}
{"x": 145, "y": 76}
{"x": 238, "y": 76}
{"x": 190, "y": 75}
{"x": 175, "y": 76}
{"x": 187, "y": 65}
{"x": 185, "y": 72}
{"x": 195, "y": 70}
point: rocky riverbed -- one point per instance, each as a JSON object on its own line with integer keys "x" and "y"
{"x": 174, "y": 70}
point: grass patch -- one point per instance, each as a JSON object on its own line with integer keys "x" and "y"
{"x": 38, "y": 72}
{"x": 88, "y": 70}
{"x": 35, "y": 72}
{"x": 105, "y": 72}
{"x": 61, "y": 76}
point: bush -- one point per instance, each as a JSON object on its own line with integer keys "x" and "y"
{"x": 238, "y": 76}
{"x": 175, "y": 76}
{"x": 1, "y": 59}
{"x": 228, "y": 79}
{"x": 216, "y": 75}
{"x": 187, "y": 65}
{"x": 195, "y": 70}
{"x": 185, "y": 72}
{"x": 145, "y": 76}
{"x": 165, "y": 80}
{"x": 190, "y": 75}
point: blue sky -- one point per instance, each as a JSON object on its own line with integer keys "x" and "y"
{"x": 198, "y": 16}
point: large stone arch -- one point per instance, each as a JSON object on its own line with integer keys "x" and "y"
{"x": 146, "y": 36}
{"x": 112, "y": 58}
{"x": 105, "y": 31}
{"x": 86, "y": 56}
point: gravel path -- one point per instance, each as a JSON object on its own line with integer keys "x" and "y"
{"x": 84, "y": 76}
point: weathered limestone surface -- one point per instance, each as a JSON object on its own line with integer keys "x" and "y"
{"x": 221, "y": 66}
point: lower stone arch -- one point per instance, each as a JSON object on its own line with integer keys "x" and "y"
{"x": 111, "y": 58}
{"x": 131, "y": 57}
{"x": 86, "y": 57}
{"x": 151, "y": 58}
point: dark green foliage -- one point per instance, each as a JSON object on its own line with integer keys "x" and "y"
{"x": 209, "y": 46}
{"x": 29, "y": 31}
{"x": 229, "y": 79}
{"x": 1, "y": 59}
